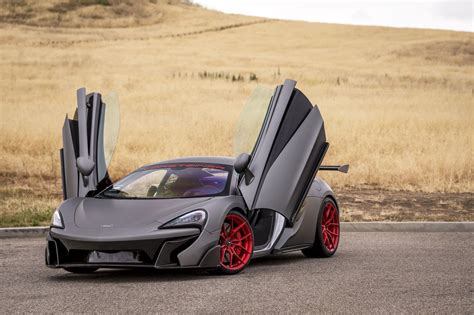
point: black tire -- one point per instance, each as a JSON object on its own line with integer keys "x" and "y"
{"x": 81, "y": 270}
{"x": 222, "y": 270}
{"x": 319, "y": 248}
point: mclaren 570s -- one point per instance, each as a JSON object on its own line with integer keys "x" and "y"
{"x": 197, "y": 212}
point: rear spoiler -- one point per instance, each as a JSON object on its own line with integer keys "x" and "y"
{"x": 341, "y": 168}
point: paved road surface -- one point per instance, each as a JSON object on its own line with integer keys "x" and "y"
{"x": 372, "y": 272}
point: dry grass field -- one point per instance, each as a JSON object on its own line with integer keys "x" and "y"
{"x": 398, "y": 103}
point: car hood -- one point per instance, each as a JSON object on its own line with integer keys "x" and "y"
{"x": 97, "y": 213}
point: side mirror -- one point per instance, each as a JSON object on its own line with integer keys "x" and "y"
{"x": 240, "y": 165}
{"x": 85, "y": 165}
{"x": 241, "y": 162}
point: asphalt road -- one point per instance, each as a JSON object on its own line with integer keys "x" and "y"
{"x": 371, "y": 273}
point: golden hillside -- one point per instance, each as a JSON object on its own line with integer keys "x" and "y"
{"x": 397, "y": 102}
{"x": 89, "y": 13}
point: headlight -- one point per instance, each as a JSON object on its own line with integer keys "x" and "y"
{"x": 195, "y": 218}
{"x": 57, "y": 220}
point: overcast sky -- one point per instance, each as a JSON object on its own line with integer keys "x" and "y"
{"x": 451, "y": 15}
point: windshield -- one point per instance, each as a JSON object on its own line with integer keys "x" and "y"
{"x": 172, "y": 181}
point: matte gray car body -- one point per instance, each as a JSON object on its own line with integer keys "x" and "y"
{"x": 280, "y": 178}
{"x": 89, "y": 220}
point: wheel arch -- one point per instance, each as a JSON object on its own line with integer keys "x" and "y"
{"x": 333, "y": 198}
{"x": 239, "y": 210}
{"x": 217, "y": 209}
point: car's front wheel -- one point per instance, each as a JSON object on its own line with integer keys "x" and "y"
{"x": 236, "y": 244}
{"x": 327, "y": 231}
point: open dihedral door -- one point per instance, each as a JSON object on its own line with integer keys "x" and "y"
{"x": 88, "y": 144}
{"x": 288, "y": 152}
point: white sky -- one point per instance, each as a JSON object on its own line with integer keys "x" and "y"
{"x": 451, "y": 15}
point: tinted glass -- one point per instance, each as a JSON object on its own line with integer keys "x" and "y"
{"x": 108, "y": 133}
{"x": 251, "y": 120}
{"x": 172, "y": 181}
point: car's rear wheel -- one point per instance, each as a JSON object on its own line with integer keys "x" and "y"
{"x": 81, "y": 269}
{"x": 327, "y": 231}
{"x": 236, "y": 244}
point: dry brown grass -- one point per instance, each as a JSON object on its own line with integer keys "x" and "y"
{"x": 87, "y": 13}
{"x": 397, "y": 102}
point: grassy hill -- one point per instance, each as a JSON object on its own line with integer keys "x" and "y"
{"x": 88, "y": 13}
{"x": 397, "y": 102}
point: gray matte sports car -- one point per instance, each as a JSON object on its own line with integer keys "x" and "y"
{"x": 197, "y": 212}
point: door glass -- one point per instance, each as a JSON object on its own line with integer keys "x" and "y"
{"x": 108, "y": 133}
{"x": 251, "y": 120}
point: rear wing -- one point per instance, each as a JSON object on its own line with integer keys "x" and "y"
{"x": 341, "y": 168}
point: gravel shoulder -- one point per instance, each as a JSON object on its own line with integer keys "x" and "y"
{"x": 385, "y": 205}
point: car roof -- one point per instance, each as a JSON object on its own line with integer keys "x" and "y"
{"x": 224, "y": 160}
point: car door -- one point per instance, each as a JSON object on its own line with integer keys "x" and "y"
{"x": 88, "y": 144}
{"x": 288, "y": 152}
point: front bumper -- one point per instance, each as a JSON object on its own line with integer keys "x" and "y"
{"x": 143, "y": 252}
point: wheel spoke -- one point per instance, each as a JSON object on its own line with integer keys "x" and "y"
{"x": 232, "y": 232}
{"x": 235, "y": 254}
{"x": 332, "y": 233}
{"x": 330, "y": 213}
{"x": 243, "y": 248}
{"x": 326, "y": 214}
{"x": 243, "y": 237}
{"x": 230, "y": 257}
{"x": 331, "y": 241}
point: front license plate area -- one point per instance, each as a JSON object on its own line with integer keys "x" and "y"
{"x": 122, "y": 257}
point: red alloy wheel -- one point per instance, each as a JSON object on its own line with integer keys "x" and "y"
{"x": 236, "y": 241}
{"x": 330, "y": 227}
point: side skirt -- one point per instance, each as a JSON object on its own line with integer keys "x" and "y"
{"x": 278, "y": 227}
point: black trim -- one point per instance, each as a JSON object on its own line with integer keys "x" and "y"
{"x": 153, "y": 253}
{"x": 291, "y": 248}
{"x": 97, "y": 106}
{"x": 211, "y": 258}
{"x": 340, "y": 168}
{"x": 296, "y": 112}
{"x": 51, "y": 253}
{"x": 74, "y": 128}
{"x": 309, "y": 173}
{"x": 168, "y": 255}
{"x": 149, "y": 247}
{"x": 63, "y": 173}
